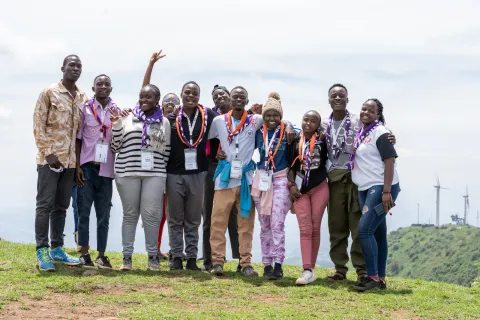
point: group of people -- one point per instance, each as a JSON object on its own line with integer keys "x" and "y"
{"x": 198, "y": 162}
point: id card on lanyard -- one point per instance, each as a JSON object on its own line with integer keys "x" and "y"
{"x": 236, "y": 165}
{"x": 101, "y": 152}
{"x": 147, "y": 159}
{"x": 265, "y": 181}
{"x": 191, "y": 159}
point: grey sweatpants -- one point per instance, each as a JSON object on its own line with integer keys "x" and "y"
{"x": 140, "y": 196}
{"x": 184, "y": 212}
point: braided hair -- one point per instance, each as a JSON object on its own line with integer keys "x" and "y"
{"x": 190, "y": 82}
{"x": 381, "y": 117}
{"x": 154, "y": 88}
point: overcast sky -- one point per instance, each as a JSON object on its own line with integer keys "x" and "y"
{"x": 420, "y": 58}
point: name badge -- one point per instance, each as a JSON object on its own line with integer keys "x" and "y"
{"x": 299, "y": 181}
{"x": 101, "y": 152}
{"x": 236, "y": 169}
{"x": 147, "y": 160}
{"x": 191, "y": 159}
{"x": 265, "y": 181}
{"x": 329, "y": 164}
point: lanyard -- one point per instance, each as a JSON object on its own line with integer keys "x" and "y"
{"x": 269, "y": 145}
{"x": 101, "y": 120}
{"x": 336, "y": 132}
{"x": 302, "y": 149}
{"x": 191, "y": 125}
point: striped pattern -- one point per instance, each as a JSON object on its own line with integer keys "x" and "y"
{"x": 127, "y": 143}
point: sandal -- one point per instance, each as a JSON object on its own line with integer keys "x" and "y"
{"x": 337, "y": 276}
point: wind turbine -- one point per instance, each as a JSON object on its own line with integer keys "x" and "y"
{"x": 465, "y": 207}
{"x": 438, "y": 187}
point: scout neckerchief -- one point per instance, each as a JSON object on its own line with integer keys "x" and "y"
{"x": 269, "y": 156}
{"x": 332, "y": 140}
{"x": 362, "y": 133}
{"x": 189, "y": 142}
{"x": 305, "y": 155}
{"x": 244, "y": 122}
{"x": 101, "y": 118}
{"x": 156, "y": 117}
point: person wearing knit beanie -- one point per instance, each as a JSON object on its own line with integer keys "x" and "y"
{"x": 270, "y": 186}
{"x": 273, "y": 103}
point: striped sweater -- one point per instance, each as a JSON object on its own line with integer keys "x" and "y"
{"x": 127, "y": 141}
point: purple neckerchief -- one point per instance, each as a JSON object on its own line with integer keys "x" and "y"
{"x": 229, "y": 130}
{"x": 180, "y": 114}
{"x": 336, "y": 152}
{"x": 113, "y": 110}
{"x": 361, "y": 134}
{"x": 157, "y": 116}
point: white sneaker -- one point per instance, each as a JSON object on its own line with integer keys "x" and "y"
{"x": 306, "y": 278}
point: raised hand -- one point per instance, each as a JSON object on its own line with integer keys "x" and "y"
{"x": 156, "y": 56}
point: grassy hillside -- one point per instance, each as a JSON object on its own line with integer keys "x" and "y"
{"x": 448, "y": 254}
{"x": 76, "y": 293}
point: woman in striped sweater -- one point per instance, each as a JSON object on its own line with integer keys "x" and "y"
{"x": 142, "y": 142}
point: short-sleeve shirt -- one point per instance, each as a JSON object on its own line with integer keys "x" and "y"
{"x": 246, "y": 144}
{"x": 281, "y": 157}
{"x": 368, "y": 168}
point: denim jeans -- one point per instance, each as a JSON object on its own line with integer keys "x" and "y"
{"x": 97, "y": 190}
{"x": 74, "y": 206}
{"x": 372, "y": 230}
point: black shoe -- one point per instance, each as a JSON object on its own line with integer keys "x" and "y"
{"x": 367, "y": 284}
{"x": 239, "y": 268}
{"x": 103, "y": 263}
{"x": 361, "y": 278}
{"x": 267, "y": 271}
{"x": 207, "y": 265}
{"x": 277, "y": 274}
{"x": 383, "y": 285}
{"x": 87, "y": 261}
{"x": 177, "y": 264}
{"x": 192, "y": 265}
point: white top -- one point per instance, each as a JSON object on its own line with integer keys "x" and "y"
{"x": 368, "y": 169}
{"x": 246, "y": 145}
{"x": 127, "y": 142}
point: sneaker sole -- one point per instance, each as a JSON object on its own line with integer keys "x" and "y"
{"x": 72, "y": 264}
{"x": 125, "y": 269}
{"x": 153, "y": 269}
{"x": 104, "y": 268}
{"x": 45, "y": 270}
{"x": 88, "y": 267}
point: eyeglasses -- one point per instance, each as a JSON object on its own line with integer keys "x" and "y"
{"x": 171, "y": 100}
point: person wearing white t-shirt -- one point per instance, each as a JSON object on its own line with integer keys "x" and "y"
{"x": 233, "y": 179}
{"x": 374, "y": 172}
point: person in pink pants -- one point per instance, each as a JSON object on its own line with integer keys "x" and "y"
{"x": 309, "y": 190}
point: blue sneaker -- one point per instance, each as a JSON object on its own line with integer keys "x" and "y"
{"x": 59, "y": 256}
{"x": 44, "y": 263}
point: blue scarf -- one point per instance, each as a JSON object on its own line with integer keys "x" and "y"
{"x": 223, "y": 169}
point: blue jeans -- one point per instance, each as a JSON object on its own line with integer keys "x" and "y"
{"x": 372, "y": 229}
{"x": 74, "y": 206}
{"x": 97, "y": 190}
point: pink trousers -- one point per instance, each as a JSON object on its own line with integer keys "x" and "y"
{"x": 309, "y": 210}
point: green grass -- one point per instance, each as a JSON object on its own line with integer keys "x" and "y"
{"x": 449, "y": 254}
{"x": 74, "y": 292}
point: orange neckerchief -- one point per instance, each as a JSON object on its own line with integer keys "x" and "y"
{"x": 202, "y": 130}
{"x": 269, "y": 152}
{"x": 313, "y": 139}
{"x": 238, "y": 128}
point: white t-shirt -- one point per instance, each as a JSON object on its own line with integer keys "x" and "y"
{"x": 368, "y": 168}
{"x": 246, "y": 145}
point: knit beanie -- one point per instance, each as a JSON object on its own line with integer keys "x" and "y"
{"x": 273, "y": 103}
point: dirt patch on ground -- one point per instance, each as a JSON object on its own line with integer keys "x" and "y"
{"x": 402, "y": 315}
{"x": 58, "y": 306}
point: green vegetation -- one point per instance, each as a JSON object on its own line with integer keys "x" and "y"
{"x": 81, "y": 293}
{"x": 449, "y": 254}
